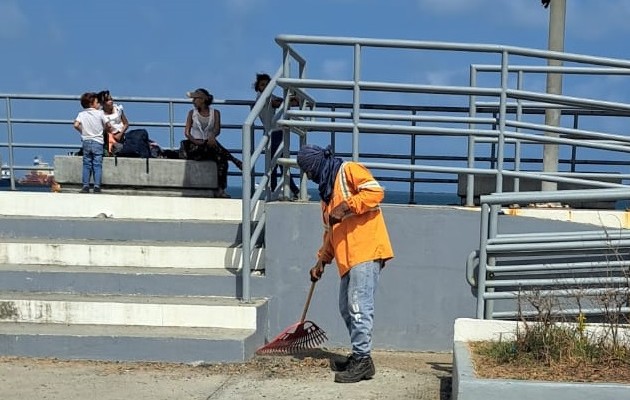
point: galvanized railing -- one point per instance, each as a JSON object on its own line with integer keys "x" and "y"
{"x": 558, "y": 273}
{"x": 42, "y": 125}
{"x": 430, "y": 136}
{"x": 499, "y": 126}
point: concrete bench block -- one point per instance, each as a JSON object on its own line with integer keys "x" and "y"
{"x": 159, "y": 173}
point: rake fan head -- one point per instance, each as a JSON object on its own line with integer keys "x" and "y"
{"x": 297, "y": 337}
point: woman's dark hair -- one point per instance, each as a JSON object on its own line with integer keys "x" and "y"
{"x": 103, "y": 96}
{"x": 260, "y": 78}
{"x": 210, "y": 97}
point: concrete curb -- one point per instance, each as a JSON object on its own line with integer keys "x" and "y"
{"x": 466, "y": 386}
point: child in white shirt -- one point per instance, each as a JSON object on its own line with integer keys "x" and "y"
{"x": 91, "y": 123}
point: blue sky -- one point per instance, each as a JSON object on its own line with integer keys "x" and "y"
{"x": 164, "y": 48}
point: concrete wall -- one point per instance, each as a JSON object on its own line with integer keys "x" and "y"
{"x": 422, "y": 290}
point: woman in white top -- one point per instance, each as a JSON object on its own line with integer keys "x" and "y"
{"x": 118, "y": 121}
{"x": 203, "y": 125}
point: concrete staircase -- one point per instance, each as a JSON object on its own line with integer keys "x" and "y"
{"x": 111, "y": 277}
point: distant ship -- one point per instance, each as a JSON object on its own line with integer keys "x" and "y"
{"x": 38, "y": 177}
{"x": 5, "y": 178}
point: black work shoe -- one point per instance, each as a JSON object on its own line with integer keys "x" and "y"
{"x": 357, "y": 370}
{"x": 85, "y": 189}
{"x": 340, "y": 365}
{"x": 97, "y": 189}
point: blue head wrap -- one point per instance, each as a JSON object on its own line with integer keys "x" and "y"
{"x": 321, "y": 167}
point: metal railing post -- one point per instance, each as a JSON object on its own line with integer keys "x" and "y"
{"x": 481, "y": 273}
{"x": 10, "y": 143}
{"x": 246, "y": 214}
{"x": 472, "y": 111}
{"x": 412, "y": 157}
{"x": 356, "y": 102}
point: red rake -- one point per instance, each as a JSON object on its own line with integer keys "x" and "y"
{"x": 299, "y": 336}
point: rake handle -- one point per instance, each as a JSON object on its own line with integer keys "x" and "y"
{"x": 308, "y": 302}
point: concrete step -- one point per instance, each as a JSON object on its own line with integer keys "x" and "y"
{"x": 115, "y": 253}
{"x": 146, "y": 311}
{"x": 132, "y": 328}
{"x": 123, "y": 280}
{"x": 77, "y": 205}
{"x": 128, "y": 343}
{"x": 102, "y": 228}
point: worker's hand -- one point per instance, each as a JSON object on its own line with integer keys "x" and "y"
{"x": 212, "y": 141}
{"x": 317, "y": 271}
{"x": 338, "y": 213}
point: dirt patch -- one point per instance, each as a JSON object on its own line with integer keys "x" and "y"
{"x": 487, "y": 367}
{"x": 400, "y": 375}
{"x": 307, "y": 364}
{"x": 8, "y": 310}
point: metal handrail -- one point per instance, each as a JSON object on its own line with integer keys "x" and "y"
{"x": 499, "y": 124}
{"x": 555, "y": 276}
{"x": 498, "y": 132}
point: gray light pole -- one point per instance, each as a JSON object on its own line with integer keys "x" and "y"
{"x": 557, "y": 17}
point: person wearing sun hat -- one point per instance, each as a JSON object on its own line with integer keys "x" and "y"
{"x": 203, "y": 125}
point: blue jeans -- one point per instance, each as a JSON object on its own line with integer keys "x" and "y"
{"x": 356, "y": 304}
{"x": 92, "y": 162}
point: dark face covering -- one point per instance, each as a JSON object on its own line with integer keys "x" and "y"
{"x": 321, "y": 167}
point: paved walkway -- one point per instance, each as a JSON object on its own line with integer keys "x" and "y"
{"x": 399, "y": 376}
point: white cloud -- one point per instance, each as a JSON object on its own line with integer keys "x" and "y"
{"x": 525, "y": 12}
{"x": 13, "y": 23}
{"x": 335, "y": 69}
{"x": 521, "y": 12}
{"x": 587, "y": 18}
{"x": 598, "y": 19}
{"x": 454, "y": 6}
{"x": 56, "y": 33}
{"x": 150, "y": 67}
{"x": 246, "y": 6}
{"x": 442, "y": 77}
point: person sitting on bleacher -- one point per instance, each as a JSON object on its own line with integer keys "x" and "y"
{"x": 116, "y": 117}
{"x": 203, "y": 125}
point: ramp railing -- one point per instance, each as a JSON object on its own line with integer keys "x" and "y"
{"x": 355, "y": 130}
{"x": 521, "y": 275}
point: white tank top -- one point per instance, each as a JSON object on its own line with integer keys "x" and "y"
{"x": 202, "y": 126}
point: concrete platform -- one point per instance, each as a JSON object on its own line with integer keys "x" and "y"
{"x": 75, "y": 205}
{"x": 116, "y": 253}
{"x": 131, "y": 328}
{"x": 102, "y": 309}
{"x": 139, "y": 173}
{"x": 119, "y": 277}
{"x": 147, "y": 230}
{"x": 123, "y": 280}
{"x": 127, "y": 343}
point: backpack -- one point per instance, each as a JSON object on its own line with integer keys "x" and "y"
{"x": 136, "y": 144}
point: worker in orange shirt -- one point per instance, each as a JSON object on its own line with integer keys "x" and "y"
{"x": 356, "y": 237}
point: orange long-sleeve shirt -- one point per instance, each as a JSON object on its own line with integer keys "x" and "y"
{"x": 362, "y": 235}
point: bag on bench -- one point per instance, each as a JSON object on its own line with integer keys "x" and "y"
{"x": 136, "y": 144}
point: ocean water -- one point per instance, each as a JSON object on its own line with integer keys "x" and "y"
{"x": 391, "y": 196}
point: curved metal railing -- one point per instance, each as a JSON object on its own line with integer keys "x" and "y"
{"x": 501, "y": 126}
